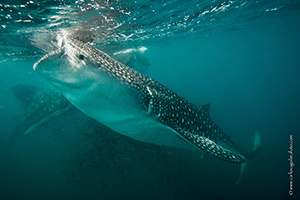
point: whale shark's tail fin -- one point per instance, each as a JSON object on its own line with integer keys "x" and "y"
{"x": 249, "y": 156}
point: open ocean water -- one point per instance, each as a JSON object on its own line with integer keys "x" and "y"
{"x": 241, "y": 56}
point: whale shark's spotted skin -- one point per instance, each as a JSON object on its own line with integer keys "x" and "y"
{"x": 130, "y": 102}
{"x": 41, "y": 107}
{"x": 191, "y": 121}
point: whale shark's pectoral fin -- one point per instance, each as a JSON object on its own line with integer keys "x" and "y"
{"x": 47, "y": 119}
{"x": 210, "y": 147}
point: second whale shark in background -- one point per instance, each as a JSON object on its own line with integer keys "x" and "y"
{"x": 133, "y": 104}
{"x": 41, "y": 107}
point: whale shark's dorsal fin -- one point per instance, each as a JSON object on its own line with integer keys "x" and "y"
{"x": 205, "y": 109}
{"x": 25, "y": 94}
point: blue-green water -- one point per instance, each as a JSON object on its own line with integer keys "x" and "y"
{"x": 240, "y": 56}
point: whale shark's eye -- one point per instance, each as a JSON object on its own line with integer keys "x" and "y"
{"x": 81, "y": 57}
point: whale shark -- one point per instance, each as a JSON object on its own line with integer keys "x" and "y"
{"x": 44, "y": 105}
{"x": 41, "y": 107}
{"x": 134, "y": 104}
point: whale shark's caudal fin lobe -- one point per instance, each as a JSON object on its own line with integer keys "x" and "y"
{"x": 243, "y": 166}
{"x": 249, "y": 156}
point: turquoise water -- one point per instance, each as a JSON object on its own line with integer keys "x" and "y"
{"x": 240, "y": 56}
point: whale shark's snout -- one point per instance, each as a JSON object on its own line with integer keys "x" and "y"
{"x": 66, "y": 66}
{"x": 55, "y": 68}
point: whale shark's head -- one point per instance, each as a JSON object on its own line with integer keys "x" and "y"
{"x": 77, "y": 64}
{"x": 70, "y": 66}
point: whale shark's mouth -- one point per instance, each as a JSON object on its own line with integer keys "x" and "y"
{"x": 58, "y": 68}
{"x": 56, "y": 52}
